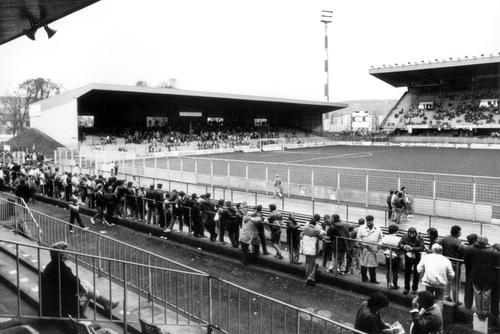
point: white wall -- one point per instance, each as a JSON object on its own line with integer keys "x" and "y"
{"x": 60, "y": 122}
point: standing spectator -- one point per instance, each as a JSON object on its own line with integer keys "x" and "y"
{"x": 356, "y": 247}
{"x": 368, "y": 317}
{"x": 262, "y": 236}
{"x": 392, "y": 256}
{"x": 326, "y": 242}
{"x": 468, "y": 290}
{"x": 74, "y": 212}
{"x": 480, "y": 261}
{"x": 109, "y": 200}
{"x": 437, "y": 271}
{"x": 207, "y": 210}
{"x": 274, "y": 222}
{"x": 495, "y": 293}
{"x": 99, "y": 203}
{"x": 411, "y": 244}
{"x": 249, "y": 232}
{"x": 398, "y": 206}
{"x": 278, "y": 189}
{"x": 228, "y": 215}
{"x": 150, "y": 200}
{"x": 310, "y": 237}
{"x": 426, "y": 315}
{"x": 389, "y": 205}
{"x": 159, "y": 197}
{"x": 432, "y": 233}
{"x": 369, "y": 236}
{"x": 23, "y": 190}
{"x": 293, "y": 238}
{"x": 453, "y": 248}
{"x": 193, "y": 207}
{"x": 339, "y": 245}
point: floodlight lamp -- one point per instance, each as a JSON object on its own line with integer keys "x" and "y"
{"x": 50, "y": 32}
{"x": 30, "y": 33}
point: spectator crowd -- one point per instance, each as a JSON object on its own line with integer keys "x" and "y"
{"x": 343, "y": 248}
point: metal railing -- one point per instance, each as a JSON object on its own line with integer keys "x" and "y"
{"x": 156, "y": 294}
{"x": 303, "y": 205}
{"x": 470, "y": 196}
{"x": 106, "y": 257}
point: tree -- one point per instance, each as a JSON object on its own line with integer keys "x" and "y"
{"x": 28, "y": 92}
{"x": 141, "y": 83}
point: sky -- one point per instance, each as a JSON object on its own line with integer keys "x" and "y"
{"x": 269, "y": 48}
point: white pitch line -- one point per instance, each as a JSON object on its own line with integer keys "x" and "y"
{"x": 347, "y": 155}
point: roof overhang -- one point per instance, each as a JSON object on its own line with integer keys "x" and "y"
{"x": 15, "y": 15}
{"x": 405, "y": 75}
{"x": 311, "y": 106}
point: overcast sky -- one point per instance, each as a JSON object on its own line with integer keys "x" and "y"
{"x": 255, "y": 47}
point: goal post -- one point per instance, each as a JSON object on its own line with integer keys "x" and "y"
{"x": 271, "y": 144}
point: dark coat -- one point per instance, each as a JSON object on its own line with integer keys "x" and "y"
{"x": 368, "y": 321}
{"x": 68, "y": 295}
{"x": 480, "y": 265}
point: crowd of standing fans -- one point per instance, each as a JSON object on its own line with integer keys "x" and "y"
{"x": 342, "y": 247}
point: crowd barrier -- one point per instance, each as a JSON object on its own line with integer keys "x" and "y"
{"x": 222, "y": 301}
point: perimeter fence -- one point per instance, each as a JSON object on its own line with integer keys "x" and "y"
{"x": 168, "y": 286}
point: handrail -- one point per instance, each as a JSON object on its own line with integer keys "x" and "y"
{"x": 25, "y": 205}
{"x": 97, "y": 257}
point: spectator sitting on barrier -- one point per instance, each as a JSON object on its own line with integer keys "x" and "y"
{"x": 62, "y": 290}
{"x": 368, "y": 317}
{"x": 392, "y": 256}
{"x": 411, "y": 244}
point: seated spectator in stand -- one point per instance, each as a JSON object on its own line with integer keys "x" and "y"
{"x": 62, "y": 290}
{"x": 368, "y": 317}
{"x": 426, "y": 315}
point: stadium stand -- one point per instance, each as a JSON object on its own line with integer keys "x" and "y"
{"x": 458, "y": 98}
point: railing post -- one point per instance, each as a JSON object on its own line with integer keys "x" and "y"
{"x": 150, "y": 281}
{"x": 288, "y": 181}
{"x": 474, "y": 199}
{"x": 312, "y": 185}
{"x": 124, "y": 269}
{"x": 267, "y": 178}
{"x": 338, "y": 187}
{"x": 212, "y": 173}
{"x": 210, "y": 306}
{"x": 246, "y": 177}
{"x": 434, "y": 194}
{"x": 367, "y": 183}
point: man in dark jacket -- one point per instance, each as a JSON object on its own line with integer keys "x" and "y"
{"x": 207, "y": 209}
{"x": 411, "y": 245}
{"x": 480, "y": 260}
{"x": 23, "y": 190}
{"x": 453, "y": 248}
{"x": 426, "y": 314}
{"x": 61, "y": 289}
